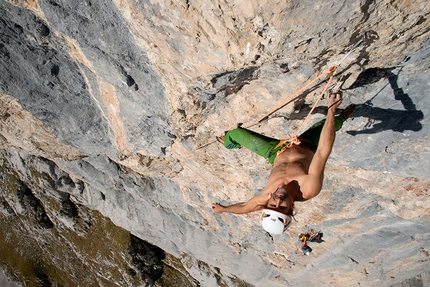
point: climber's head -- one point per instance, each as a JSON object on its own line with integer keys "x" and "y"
{"x": 276, "y": 217}
{"x": 281, "y": 201}
{"x": 274, "y": 221}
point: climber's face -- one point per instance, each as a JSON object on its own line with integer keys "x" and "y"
{"x": 280, "y": 200}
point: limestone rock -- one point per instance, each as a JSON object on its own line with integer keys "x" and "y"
{"x": 113, "y": 108}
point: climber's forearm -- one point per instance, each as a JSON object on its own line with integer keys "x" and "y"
{"x": 253, "y": 204}
{"x": 237, "y": 208}
{"x": 328, "y": 134}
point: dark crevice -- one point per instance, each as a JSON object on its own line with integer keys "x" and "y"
{"x": 232, "y": 82}
{"x": 55, "y": 70}
{"x": 44, "y": 30}
{"x": 68, "y": 207}
{"x": 371, "y": 76}
{"x": 147, "y": 259}
{"x": 32, "y": 205}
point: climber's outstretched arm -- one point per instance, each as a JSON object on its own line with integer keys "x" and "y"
{"x": 312, "y": 184}
{"x": 255, "y": 203}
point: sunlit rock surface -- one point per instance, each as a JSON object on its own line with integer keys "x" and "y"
{"x": 104, "y": 104}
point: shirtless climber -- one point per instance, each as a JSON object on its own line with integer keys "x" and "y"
{"x": 298, "y": 170}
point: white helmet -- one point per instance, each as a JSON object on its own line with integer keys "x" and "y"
{"x": 275, "y": 222}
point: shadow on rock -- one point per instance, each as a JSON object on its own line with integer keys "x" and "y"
{"x": 388, "y": 119}
{"x": 380, "y": 119}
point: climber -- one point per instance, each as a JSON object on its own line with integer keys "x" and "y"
{"x": 298, "y": 170}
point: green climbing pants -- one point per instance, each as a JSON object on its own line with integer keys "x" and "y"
{"x": 268, "y": 147}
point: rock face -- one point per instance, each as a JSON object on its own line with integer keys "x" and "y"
{"x": 103, "y": 105}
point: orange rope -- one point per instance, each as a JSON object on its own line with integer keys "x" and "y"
{"x": 292, "y": 97}
{"x": 205, "y": 144}
{"x": 294, "y": 139}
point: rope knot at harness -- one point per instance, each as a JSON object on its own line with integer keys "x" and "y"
{"x": 286, "y": 144}
{"x": 294, "y": 140}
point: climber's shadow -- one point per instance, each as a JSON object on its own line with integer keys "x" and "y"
{"x": 379, "y": 119}
{"x": 386, "y": 119}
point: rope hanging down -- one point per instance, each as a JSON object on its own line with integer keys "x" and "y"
{"x": 330, "y": 73}
{"x": 294, "y": 139}
{"x": 293, "y": 96}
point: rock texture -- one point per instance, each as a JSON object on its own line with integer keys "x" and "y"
{"x": 103, "y": 105}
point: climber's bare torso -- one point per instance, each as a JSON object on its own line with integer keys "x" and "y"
{"x": 290, "y": 169}
{"x": 297, "y": 173}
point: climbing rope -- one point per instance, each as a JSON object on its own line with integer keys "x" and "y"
{"x": 292, "y": 97}
{"x": 294, "y": 139}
